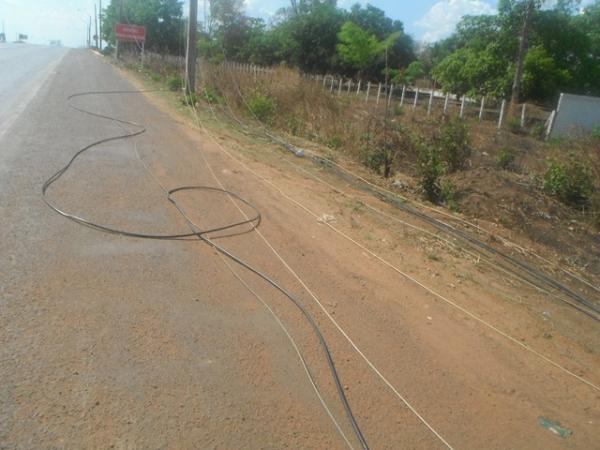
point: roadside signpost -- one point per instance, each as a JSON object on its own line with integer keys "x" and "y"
{"x": 131, "y": 33}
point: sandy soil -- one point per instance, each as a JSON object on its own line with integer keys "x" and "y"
{"x": 113, "y": 342}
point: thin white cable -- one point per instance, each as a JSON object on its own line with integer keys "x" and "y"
{"x": 264, "y": 303}
{"x": 431, "y": 291}
{"x": 435, "y": 236}
{"x": 287, "y": 266}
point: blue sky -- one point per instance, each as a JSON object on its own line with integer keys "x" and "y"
{"x": 43, "y": 20}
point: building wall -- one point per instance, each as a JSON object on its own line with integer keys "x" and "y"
{"x": 576, "y": 115}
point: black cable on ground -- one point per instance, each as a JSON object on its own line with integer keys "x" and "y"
{"x": 202, "y": 235}
{"x": 531, "y": 274}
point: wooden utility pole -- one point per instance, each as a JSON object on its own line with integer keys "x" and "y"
{"x": 100, "y": 25}
{"x": 96, "y": 25}
{"x": 190, "y": 57}
{"x": 523, "y": 44}
{"x": 89, "y": 34}
{"x": 117, "y": 53}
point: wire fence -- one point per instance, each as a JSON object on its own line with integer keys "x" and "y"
{"x": 407, "y": 98}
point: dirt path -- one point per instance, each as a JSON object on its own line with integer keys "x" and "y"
{"x": 108, "y": 341}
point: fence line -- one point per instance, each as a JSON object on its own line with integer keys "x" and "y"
{"x": 487, "y": 109}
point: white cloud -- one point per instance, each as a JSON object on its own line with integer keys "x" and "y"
{"x": 442, "y": 17}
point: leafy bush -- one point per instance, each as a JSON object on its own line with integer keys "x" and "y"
{"x": 374, "y": 159}
{"x": 595, "y": 210}
{"x": 538, "y": 130}
{"x": 430, "y": 169}
{"x": 448, "y": 195}
{"x": 570, "y": 182}
{"x": 506, "y": 159}
{"x": 190, "y": 99}
{"x": 261, "y": 107}
{"x": 155, "y": 77}
{"x": 108, "y": 50}
{"x": 514, "y": 125}
{"x": 334, "y": 142}
{"x": 596, "y": 132}
{"x": 175, "y": 82}
{"x": 454, "y": 142}
{"x": 211, "y": 95}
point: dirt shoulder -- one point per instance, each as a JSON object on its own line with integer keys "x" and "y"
{"x": 472, "y": 357}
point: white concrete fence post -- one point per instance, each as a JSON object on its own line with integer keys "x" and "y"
{"x": 481, "y": 108}
{"x": 430, "y": 103}
{"x": 549, "y": 123}
{"x": 501, "y": 118}
{"x": 416, "y": 99}
{"x": 340, "y": 87}
{"x": 368, "y": 90}
{"x": 403, "y": 93}
{"x": 462, "y": 107}
{"x": 332, "y": 83}
{"x": 446, "y": 103}
{"x": 390, "y": 95}
{"x": 523, "y": 115}
{"x": 378, "y": 94}
{"x": 358, "y": 88}
{"x": 349, "y": 86}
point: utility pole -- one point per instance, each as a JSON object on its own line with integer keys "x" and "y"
{"x": 523, "y": 44}
{"x": 190, "y": 57}
{"x": 100, "y": 26}
{"x": 120, "y": 21}
{"x": 89, "y": 36}
{"x": 96, "y": 25}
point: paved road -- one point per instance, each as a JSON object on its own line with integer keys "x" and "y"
{"x": 23, "y": 69}
{"x": 111, "y": 342}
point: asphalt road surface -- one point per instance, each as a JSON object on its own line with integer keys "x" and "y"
{"x": 23, "y": 69}
{"x": 115, "y": 342}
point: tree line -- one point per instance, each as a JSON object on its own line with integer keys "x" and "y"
{"x": 538, "y": 48}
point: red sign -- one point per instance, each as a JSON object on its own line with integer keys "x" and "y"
{"x": 126, "y": 32}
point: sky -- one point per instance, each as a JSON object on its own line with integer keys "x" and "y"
{"x": 44, "y": 20}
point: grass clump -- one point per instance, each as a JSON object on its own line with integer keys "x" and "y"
{"x": 175, "y": 82}
{"x": 262, "y": 107}
{"x": 506, "y": 159}
{"x": 454, "y": 140}
{"x": 430, "y": 170}
{"x": 571, "y": 182}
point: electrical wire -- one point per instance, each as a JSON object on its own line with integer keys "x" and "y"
{"x": 201, "y": 234}
{"x": 391, "y": 266}
{"x": 532, "y": 275}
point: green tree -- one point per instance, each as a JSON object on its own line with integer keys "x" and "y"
{"x": 357, "y": 48}
{"x": 162, "y": 19}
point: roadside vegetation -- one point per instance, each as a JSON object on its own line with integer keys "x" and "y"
{"x": 548, "y": 190}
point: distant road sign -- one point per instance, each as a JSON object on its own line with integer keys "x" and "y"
{"x": 126, "y": 32}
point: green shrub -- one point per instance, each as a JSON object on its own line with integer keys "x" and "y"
{"x": 211, "y": 95}
{"x": 430, "y": 169}
{"x": 334, "y": 142}
{"x": 594, "y": 211}
{"x": 596, "y": 132}
{"x": 514, "y": 125}
{"x": 538, "y": 130}
{"x": 190, "y": 99}
{"x": 399, "y": 109}
{"x": 570, "y": 182}
{"x": 375, "y": 158}
{"x": 108, "y": 50}
{"x": 506, "y": 159}
{"x": 175, "y": 82}
{"x": 155, "y": 77}
{"x": 448, "y": 195}
{"x": 454, "y": 142}
{"x": 261, "y": 107}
